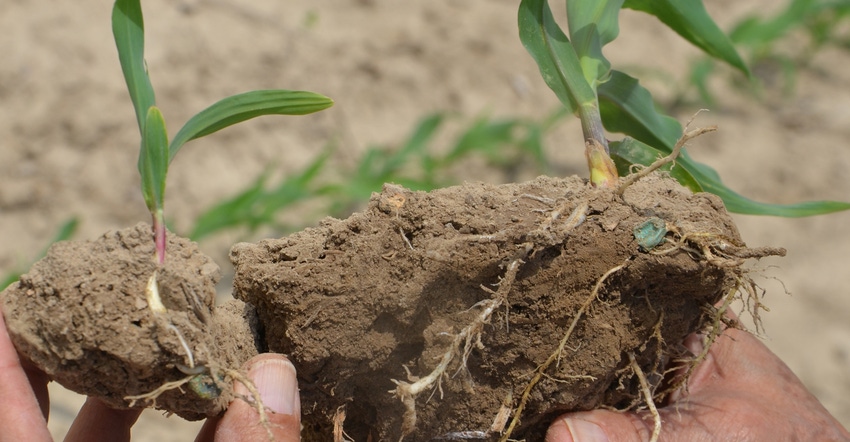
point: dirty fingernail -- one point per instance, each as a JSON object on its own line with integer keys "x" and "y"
{"x": 276, "y": 382}
{"x": 585, "y": 431}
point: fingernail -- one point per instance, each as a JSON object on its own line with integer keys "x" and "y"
{"x": 585, "y": 431}
{"x": 276, "y": 382}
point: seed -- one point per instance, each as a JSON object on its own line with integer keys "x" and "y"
{"x": 650, "y": 233}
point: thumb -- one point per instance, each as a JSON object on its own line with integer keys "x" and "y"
{"x": 599, "y": 426}
{"x": 275, "y": 381}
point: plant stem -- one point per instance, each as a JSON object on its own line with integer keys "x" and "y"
{"x": 591, "y": 124}
{"x": 603, "y": 172}
{"x": 159, "y": 236}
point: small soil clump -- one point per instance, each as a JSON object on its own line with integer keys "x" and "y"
{"x": 81, "y": 315}
{"x": 428, "y": 315}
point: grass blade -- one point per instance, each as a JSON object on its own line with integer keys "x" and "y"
{"x": 154, "y": 159}
{"x": 551, "y": 49}
{"x": 630, "y": 151}
{"x": 245, "y": 106}
{"x": 592, "y": 25}
{"x": 627, "y": 107}
{"x": 255, "y": 206}
{"x": 129, "y": 31}
{"x": 700, "y": 177}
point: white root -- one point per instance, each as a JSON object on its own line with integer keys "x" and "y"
{"x": 647, "y": 395}
{"x": 152, "y": 295}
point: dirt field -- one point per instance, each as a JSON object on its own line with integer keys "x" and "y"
{"x": 69, "y": 143}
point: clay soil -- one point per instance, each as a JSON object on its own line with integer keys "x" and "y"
{"x": 69, "y": 145}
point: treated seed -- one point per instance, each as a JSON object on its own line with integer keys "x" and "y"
{"x": 204, "y": 386}
{"x": 650, "y": 233}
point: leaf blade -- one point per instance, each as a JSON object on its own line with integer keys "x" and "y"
{"x": 245, "y": 106}
{"x": 592, "y": 25}
{"x": 153, "y": 160}
{"x": 627, "y": 107}
{"x": 700, "y": 177}
{"x": 129, "y": 32}
{"x": 556, "y": 58}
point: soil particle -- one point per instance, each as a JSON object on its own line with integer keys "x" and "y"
{"x": 381, "y": 296}
{"x": 81, "y": 316}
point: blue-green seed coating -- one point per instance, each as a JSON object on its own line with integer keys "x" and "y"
{"x": 650, "y": 233}
{"x": 204, "y": 387}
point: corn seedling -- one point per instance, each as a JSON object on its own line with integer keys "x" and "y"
{"x": 573, "y": 66}
{"x": 156, "y": 151}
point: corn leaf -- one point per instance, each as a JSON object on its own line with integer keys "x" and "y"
{"x": 129, "y": 31}
{"x": 735, "y": 202}
{"x": 702, "y": 178}
{"x": 627, "y": 107}
{"x": 153, "y": 160}
{"x": 689, "y": 19}
{"x": 257, "y": 206}
{"x": 555, "y": 56}
{"x": 246, "y": 106}
{"x": 630, "y": 151}
{"x": 592, "y": 25}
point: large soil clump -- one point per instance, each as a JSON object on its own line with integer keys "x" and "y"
{"x": 468, "y": 313}
{"x": 435, "y": 315}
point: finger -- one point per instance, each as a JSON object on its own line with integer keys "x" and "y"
{"x": 21, "y": 418}
{"x": 97, "y": 422}
{"x": 38, "y": 381}
{"x": 275, "y": 380}
{"x": 599, "y": 426}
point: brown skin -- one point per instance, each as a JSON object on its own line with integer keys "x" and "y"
{"x": 23, "y": 415}
{"x": 742, "y": 391}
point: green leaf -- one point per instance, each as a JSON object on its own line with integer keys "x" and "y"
{"x": 757, "y": 32}
{"x": 379, "y": 166}
{"x": 245, "y": 106}
{"x": 737, "y": 203}
{"x": 129, "y": 31}
{"x": 153, "y": 159}
{"x": 592, "y": 25}
{"x": 689, "y": 19}
{"x": 629, "y": 151}
{"x": 551, "y": 49}
{"x": 700, "y": 177}
{"x": 256, "y": 206}
{"x": 627, "y": 107}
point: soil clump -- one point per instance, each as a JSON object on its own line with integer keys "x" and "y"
{"x": 81, "y": 315}
{"x": 427, "y": 315}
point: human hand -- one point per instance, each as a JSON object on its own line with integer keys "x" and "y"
{"x": 741, "y": 391}
{"x": 23, "y": 414}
